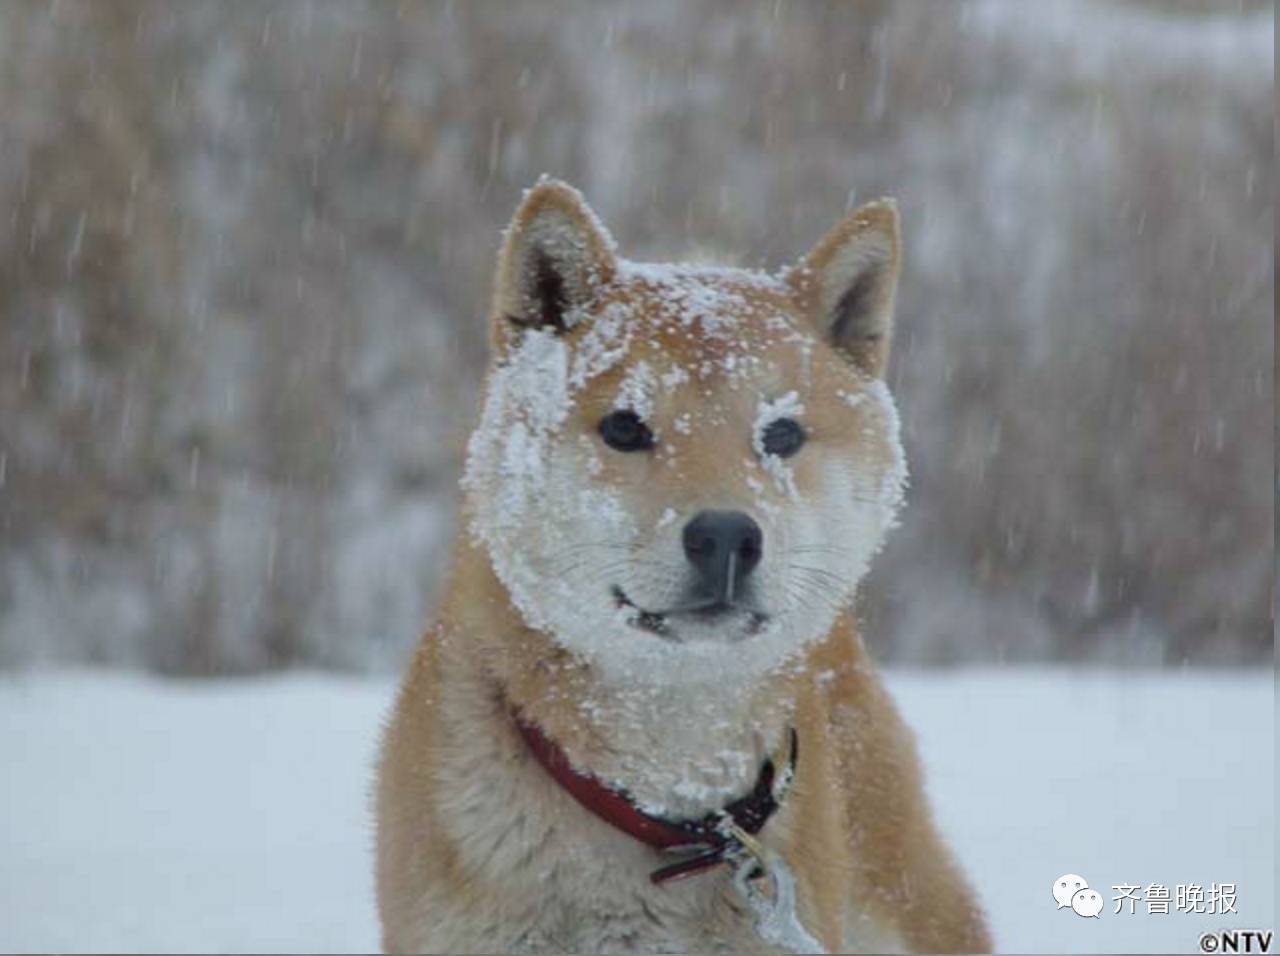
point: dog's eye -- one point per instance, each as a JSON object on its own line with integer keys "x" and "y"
{"x": 783, "y": 437}
{"x": 625, "y": 431}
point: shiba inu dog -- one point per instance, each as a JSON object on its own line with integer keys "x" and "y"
{"x": 645, "y": 665}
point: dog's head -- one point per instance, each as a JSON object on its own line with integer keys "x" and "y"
{"x": 680, "y": 472}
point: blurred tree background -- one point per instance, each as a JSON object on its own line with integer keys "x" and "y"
{"x": 245, "y": 255}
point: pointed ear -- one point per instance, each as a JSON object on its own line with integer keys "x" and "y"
{"x": 555, "y": 256}
{"x": 846, "y": 284}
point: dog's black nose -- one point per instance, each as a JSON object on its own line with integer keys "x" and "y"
{"x": 724, "y": 547}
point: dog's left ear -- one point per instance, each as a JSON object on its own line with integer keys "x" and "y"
{"x": 555, "y": 257}
{"x": 846, "y": 284}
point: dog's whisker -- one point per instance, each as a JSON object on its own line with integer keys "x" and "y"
{"x": 837, "y": 580}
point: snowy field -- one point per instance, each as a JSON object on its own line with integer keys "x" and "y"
{"x": 139, "y": 815}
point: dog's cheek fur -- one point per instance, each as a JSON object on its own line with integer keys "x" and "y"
{"x": 849, "y": 495}
{"x": 829, "y": 538}
{"x": 569, "y": 546}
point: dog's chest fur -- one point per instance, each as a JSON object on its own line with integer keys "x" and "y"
{"x": 561, "y": 878}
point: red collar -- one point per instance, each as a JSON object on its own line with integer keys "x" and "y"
{"x": 707, "y": 837}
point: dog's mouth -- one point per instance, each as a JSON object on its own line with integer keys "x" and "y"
{"x": 659, "y": 622}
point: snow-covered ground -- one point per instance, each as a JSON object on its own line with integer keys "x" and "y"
{"x": 142, "y": 815}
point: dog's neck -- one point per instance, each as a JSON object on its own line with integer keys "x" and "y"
{"x": 679, "y": 750}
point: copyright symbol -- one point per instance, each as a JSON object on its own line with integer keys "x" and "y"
{"x": 1208, "y": 943}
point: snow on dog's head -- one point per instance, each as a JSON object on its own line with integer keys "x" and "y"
{"x": 681, "y": 473}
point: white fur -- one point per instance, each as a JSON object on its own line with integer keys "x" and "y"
{"x": 560, "y": 538}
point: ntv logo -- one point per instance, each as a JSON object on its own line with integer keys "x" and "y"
{"x": 1237, "y": 941}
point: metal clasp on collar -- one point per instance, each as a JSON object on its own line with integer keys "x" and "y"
{"x": 775, "y": 911}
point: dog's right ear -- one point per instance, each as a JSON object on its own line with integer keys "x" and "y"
{"x": 846, "y": 284}
{"x": 555, "y": 257}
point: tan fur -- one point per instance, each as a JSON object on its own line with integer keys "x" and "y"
{"x": 479, "y": 851}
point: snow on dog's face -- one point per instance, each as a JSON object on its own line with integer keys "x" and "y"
{"x": 681, "y": 473}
